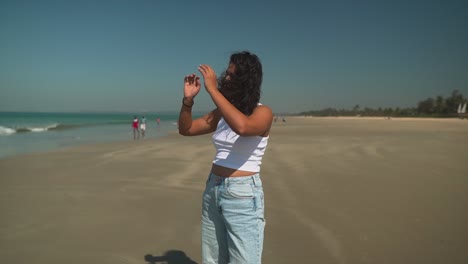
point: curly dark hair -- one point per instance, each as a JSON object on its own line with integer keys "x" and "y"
{"x": 242, "y": 88}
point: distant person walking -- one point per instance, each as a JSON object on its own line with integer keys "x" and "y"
{"x": 158, "y": 121}
{"x": 143, "y": 126}
{"x": 233, "y": 209}
{"x": 136, "y": 132}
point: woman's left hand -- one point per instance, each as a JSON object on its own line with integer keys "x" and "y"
{"x": 209, "y": 75}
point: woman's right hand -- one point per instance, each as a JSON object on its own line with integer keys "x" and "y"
{"x": 191, "y": 85}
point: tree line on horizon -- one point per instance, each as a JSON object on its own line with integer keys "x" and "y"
{"x": 430, "y": 107}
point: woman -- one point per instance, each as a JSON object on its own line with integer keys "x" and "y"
{"x": 136, "y": 132}
{"x": 233, "y": 209}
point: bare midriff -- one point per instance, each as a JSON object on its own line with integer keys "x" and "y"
{"x": 228, "y": 172}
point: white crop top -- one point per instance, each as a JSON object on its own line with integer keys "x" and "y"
{"x": 236, "y": 152}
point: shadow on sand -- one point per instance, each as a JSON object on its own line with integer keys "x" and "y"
{"x": 170, "y": 257}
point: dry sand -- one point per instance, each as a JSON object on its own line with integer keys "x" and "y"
{"x": 337, "y": 190}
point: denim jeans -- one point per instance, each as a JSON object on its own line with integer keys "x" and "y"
{"x": 233, "y": 220}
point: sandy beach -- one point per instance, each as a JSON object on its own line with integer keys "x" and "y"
{"x": 337, "y": 190}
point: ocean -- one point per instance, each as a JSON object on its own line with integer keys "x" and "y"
{"x": 38, "y": 132}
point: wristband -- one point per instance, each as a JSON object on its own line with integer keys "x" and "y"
{"x": 183, "y": 102}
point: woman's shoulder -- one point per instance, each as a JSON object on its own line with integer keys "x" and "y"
{"x": 263, "y": 112}
{"x": 262, "y": 107}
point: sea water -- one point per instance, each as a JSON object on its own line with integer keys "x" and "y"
{"x": 38, "y": 132}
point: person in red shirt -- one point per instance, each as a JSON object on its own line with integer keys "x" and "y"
{"x": 136, "y": 131}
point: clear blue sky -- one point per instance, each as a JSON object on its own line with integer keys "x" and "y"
{"x": 132, "y": 55}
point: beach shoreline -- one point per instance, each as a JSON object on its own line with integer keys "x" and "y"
{"x": 442, "y": 119}
{"x": 337, "y": 190}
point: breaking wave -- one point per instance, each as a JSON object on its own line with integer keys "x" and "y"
{"x": 5, "y": 131}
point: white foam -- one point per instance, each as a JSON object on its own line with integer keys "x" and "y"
{"x": 42, "y": 129}
{"x": 37, "y": 129}
{"x": 52, "y": 126}
{"x": 5, "y": 131}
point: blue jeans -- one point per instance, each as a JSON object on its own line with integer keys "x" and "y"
{"x": 233, "y": 220}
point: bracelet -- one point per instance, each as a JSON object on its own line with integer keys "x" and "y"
{"x": 183, "y": 102}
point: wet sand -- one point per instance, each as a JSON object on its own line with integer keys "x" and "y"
{"x": 337, "y": 190}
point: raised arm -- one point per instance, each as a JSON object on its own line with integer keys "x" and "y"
{"x": 256, "y": 124}
{"x": 200, "y": 126}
